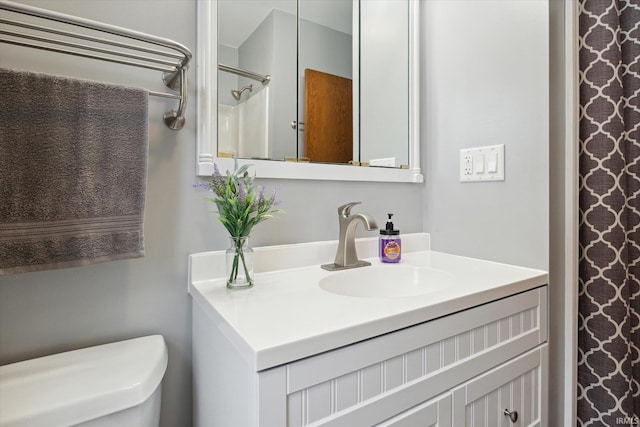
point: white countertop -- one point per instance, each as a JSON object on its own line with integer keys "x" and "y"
{"x": 286, "y": 316}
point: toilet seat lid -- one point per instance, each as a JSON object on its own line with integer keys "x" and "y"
{"x": 76, "y": 386}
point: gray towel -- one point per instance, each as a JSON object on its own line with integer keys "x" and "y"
{"x": 73, "y": 167}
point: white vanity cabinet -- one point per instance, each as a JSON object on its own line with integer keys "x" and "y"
{"x": 460, "y": 369}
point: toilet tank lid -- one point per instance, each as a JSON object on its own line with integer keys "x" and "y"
{"x": 76, "y": 386}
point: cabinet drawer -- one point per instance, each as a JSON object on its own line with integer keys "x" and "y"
{"x": 369, "y": 382}
{"x": 512, "y": 388}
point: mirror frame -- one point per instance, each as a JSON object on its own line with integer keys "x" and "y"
{"x": 207, "y": 117}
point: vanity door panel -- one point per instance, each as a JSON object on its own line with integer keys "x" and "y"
{"x": 515, "y": 387}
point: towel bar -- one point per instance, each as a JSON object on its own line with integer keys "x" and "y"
{"x": 173, "y": 59}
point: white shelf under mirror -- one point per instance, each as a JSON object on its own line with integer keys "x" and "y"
{"x": 206, "y": 104}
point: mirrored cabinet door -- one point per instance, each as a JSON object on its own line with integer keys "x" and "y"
{"x": 323, "y": 84}
{"x": 326, "y": 69}
{"x": 257, "y": 93}
{"x": 384, "y": 83}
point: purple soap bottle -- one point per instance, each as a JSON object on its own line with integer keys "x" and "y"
{"x": 390, "y": 244}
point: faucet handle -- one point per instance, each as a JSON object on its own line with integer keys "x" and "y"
{"x": 345, "y": 210}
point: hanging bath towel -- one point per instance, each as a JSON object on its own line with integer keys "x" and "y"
{"x": 73, "y": 167}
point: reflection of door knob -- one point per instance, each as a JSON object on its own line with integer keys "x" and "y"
{"x": 513, "y": 415}
{"x": 294, "y": 125}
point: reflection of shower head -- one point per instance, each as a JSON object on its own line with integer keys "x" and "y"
{"x": 238, "y": 93}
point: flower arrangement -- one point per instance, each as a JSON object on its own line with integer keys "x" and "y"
{"x": 241, "y": 206}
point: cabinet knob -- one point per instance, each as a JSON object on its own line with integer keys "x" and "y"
{"x": 513, "y": 415}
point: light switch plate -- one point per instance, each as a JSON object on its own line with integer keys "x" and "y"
{"x": 482, "y": 163}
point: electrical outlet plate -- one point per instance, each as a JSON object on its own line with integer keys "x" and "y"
{"x": 466, "y": 164}
{"x": 482, "y": 163}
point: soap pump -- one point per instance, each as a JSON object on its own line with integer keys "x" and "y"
{"x": 390, "y": 243}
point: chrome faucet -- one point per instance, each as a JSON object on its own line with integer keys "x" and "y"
{"x": 347, "y": 257}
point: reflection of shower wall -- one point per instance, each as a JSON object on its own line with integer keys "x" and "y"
{"x": 253, "y": 126}
{"x": 243, "y": 130}
{"x": 254, "y": 55}
{"x": 227, "y": 116}
{"x": 271, "y": 49}
{"x": 227, "y": 81}
{"x": 227, "y": 129}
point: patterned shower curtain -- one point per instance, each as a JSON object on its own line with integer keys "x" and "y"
{"x": 609, "y": 285}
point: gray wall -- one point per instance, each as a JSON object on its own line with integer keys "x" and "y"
{"x": 48, "y": 312}
{"x": 43, "y": 313}
{"x": 484, "y": 83}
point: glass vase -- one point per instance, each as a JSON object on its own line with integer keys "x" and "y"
{"x": 239, "y": 264}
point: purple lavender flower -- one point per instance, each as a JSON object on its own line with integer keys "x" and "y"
{"x": 274, "y": 201}
{"x": 259, "y": 200}
{"x": 242, "y": 194}
{"x": 241, "y": 204}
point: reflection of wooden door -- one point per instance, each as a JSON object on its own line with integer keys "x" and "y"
{"x": 328, "y": 117}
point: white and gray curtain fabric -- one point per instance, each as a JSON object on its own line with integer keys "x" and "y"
{"x": 609, "y": 285}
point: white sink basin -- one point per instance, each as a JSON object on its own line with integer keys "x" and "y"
{"x": 386, "y": 281}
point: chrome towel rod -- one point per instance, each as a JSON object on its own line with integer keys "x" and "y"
{"x": 173, "y": 62}
{"x": 250, "y": 74}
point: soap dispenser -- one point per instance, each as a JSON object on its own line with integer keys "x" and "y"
{"x": 390, "y": 243}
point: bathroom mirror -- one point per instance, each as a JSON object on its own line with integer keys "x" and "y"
{"x": 264, "y": 64}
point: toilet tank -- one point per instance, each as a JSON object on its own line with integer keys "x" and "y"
{"x": 112, "y": 383}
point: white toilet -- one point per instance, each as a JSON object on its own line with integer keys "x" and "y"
{"x": 117, "y": 384}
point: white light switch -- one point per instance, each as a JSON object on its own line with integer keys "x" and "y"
{"x": 482, "y": 163}
{"x": 492, "y": 162}
{"x": 478, "y": 163}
